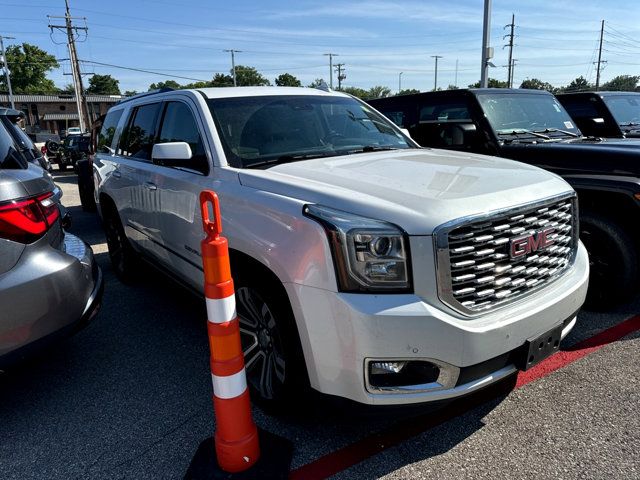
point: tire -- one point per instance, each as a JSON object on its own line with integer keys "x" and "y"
{"x": 613, "y": 260}
{"x": 123, "y": 258}
{"x": 276, "y": 372}
{"x": 85, "y": 185}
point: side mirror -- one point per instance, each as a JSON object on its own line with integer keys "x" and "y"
{"x": 171, "y": 153}
{"x": 464, "y": 134}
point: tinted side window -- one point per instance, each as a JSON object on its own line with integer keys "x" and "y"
{"x": 137, "y": 139}
{"x": 178, "y": 125}
{"x": 108, "y": 130}
{"x": 9, "y": 156}
{"x": 444, "y": 111}
{"x": 581, "y": 108}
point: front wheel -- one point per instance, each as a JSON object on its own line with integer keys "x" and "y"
{"x": 613, "y": 260}
{"x": 273, "y": 357}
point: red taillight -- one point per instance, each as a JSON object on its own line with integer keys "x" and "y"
{"x": 27, "y": 220}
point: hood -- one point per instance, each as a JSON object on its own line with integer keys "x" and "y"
{"x": 417, "y": 189}
{"x": 615, "y": 156}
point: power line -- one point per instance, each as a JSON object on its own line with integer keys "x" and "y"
{"x": 121, "y": 67}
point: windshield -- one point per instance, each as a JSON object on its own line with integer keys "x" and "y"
{"x": 271, "y": 129}
{"x": 527, "y": 113}
{"x": 625, "y": 108}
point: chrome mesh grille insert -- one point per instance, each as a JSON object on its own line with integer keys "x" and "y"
{"x": 487, "y": 262}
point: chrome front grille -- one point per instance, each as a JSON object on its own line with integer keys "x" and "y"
{"x": 496, "y": 259}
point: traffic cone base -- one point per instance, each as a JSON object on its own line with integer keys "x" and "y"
{"x": 274, "y": 462}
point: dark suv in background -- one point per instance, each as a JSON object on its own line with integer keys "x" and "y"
{"x": 532, "y": 126}
{"x": 50, "y": 283}
{"x": 605, "y": 114}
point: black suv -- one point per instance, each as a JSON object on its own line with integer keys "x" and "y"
{"x": 532, "y": 126}
{"x": 605, "y": 114}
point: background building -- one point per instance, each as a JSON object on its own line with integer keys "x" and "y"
{"x": 56, "y": 113}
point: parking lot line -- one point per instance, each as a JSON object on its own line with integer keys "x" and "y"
{"x": 361, "y": 450}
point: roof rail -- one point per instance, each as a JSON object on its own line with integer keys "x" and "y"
{"x": 145, "y": 94}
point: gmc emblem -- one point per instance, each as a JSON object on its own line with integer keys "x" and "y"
{"x": 527, "y": 244}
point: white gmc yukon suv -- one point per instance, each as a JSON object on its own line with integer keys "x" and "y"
{"x": 365, "y": 266}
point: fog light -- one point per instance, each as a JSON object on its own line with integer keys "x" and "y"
{"x": 397, "y": 374}
{"x": 381, "y": 368}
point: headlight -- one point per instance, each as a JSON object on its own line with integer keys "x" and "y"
{"x": 369, "y": 255}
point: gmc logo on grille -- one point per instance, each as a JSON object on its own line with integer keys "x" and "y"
{"x": 527, "y": 244}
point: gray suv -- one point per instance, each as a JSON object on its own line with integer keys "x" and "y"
{"x": 50, "y": 283}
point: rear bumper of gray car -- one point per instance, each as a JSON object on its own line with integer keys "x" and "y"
{"x": 49, "y": 296}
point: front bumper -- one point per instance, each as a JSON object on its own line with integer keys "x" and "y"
{"x": 51, "y": 293}
{"x": 340, "y": 333}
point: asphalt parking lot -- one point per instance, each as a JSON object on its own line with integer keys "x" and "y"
{"x": 129, "y": 397}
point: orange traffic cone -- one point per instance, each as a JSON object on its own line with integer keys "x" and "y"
{"x": 236, "y": 437}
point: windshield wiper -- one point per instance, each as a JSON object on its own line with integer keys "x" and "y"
{"x": 371, "y": 148}
{"x": 290, "y": 158}
{"x": 551, "y": 130}
{"x": 525, "y": 132}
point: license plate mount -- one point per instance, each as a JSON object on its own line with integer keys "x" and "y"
{"x": 536, "y": 349}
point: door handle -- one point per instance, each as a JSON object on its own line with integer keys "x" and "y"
{"x": 150, "y": 186}
{"x": 116, "y": 174}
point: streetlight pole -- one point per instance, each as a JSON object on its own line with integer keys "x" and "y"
{"x": 435, "y": 79}
{"x": 400, "y": 82}
{"x": 486, "y": 27}
{"x": 6, "y": 69}
{"x": 233, "y": 64}
{"x": 330, "y": 55}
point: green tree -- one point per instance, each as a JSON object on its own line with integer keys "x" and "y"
{"x": 536, "y": 84}
{"x": 103, "y": 85}
{"x": 579, "y": 84}
{"x": 287, "y": 80}
{"x": 493, "y": 83}
{"x": 166, "y": 84}
{"x": 222, "y": 80}
{"x": 29, "y": 66}
{"x": 68, "y": 89}
{"x": 452, "y": 87}
{"x": 130, "y": 93}
{"x": 622, "y": 83}
{"x": 318, "y": 82}
{"x": 408, "y": 91}
{"x": 249, "y": 77}
{"x": 378, "y": 91}
{"x": 356, "y": 92}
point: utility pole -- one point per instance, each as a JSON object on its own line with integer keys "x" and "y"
{"x": 6, "y": 68}
{"x": 330, "y": 55}
{"x": 400, "y": 82}
{"x": 435, "y": 79}
{"x": 510, "y": 45}
{"x": 513, "y": 70}
{"x": 341, "y": 75}
{"x": 71, "y": 30}
{"x": 233, "y": 64}
{"x": 455, "y": 82}
{"x": 486, "y": 49}
{"x": 600, "y": 61}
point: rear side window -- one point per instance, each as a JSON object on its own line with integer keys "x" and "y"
{"x": 178, "y": 125}
{"x": 137, "y": 139}
{"x": 24, "y": 142}
{"x": 108, "y": 130}
{"x": 9, "y": 156}
{"x": 440, "y": 111}
{"x": 581, "y": 108}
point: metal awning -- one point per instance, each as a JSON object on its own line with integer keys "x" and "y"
{"x": 60, "y": 116}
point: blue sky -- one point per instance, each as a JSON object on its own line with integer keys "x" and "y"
{"x": 376, "y": 39}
